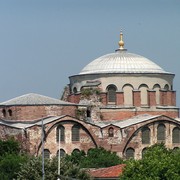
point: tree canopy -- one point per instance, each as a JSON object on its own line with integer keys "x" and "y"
{"x": 11, "y": 159}
{"x": 32, "y": 170}
{"x": 95, "y": 158}
{"x": 158, "y": 163}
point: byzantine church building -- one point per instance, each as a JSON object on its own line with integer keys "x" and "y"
{"x": 121, "y": 101}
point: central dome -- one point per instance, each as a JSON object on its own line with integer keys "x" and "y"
{"x": 121, "y": 62}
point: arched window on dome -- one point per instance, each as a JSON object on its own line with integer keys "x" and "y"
{"x": 176, "y": 135}
{"x": 157, "y": 88}
{"x": 144, "y": 94}
{"x": 145, "y": 135}
{"x": 74, "y": 90}
{"x": 166, "y": 87}
{"x": 75, "y": 133}
{"x": 161, "y": 133}
{"x": 128, "y": 94}
{"x": 111, "y": 94}
{"x": 130, "y": 153}
{"x": 60, "y": 129}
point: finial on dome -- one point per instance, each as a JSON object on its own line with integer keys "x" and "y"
{"x": 121, "y": 42}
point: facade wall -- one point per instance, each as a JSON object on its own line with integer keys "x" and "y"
{"x": 35, "y": 112}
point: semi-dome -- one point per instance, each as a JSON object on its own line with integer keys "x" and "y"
{"x": 121, "y": 62}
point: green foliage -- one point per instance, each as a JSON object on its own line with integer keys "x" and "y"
{"x": 158, "y": 163}
{"x": 9, "y": 146}
{"x": 32, "y": 170}
{"x": 90, "y": 91}
{"x": 80, "y": 113}
{"x": 95, "y": 158}
{"x": 10, "y": 159}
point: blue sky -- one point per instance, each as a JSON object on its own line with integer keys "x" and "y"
{"x": 43, "y": 42}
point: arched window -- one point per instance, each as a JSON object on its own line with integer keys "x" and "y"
{"x": 74, "y": 90}
{"x": 161, "y": 133}
{"x": 130, "y": 153}
{"x": 62, "y": 153}
{"x": 46, "y": 153}
{"x": 60, "y": 129}
{"x": 10, "y": 112}
{"x": 128, "y": 94}
{"x": 88, "y": 112}
{"x": 176, "y": 135}
{"x": 157, "y": 87}
{"x": 76, "y": 151}
{"x": 144, "y": 94}
{"x": 143, "y": 152}
{"x": 145, "y": 135}
{"x": 4, "y": 112}
{"x": 166, "y": 87}
{"x": 111, "y": 94}
{"x": 75, "y": 133}
{"x": 111, "y": 132}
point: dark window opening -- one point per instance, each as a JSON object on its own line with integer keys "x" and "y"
{"x": 46, "y": 153}
{"x": 75, "y": 133}
{"x": 161, "y": 133}
{"x": 74, "y": 90}
{"x": 76, "y": 151}
{"x": 4, "y": 112}
{"x": 88, "y": 113}
{"x": 145, "y": 135}
{"x": 60, "y": 130}
{"x": 176, "y": 135}
{"x": 62, "y": 153}
{"x": 111, "y": 132}
{"x": 10, "y": 112}
{"x": 130, "y": 153}
{"x": 111, "y": 94}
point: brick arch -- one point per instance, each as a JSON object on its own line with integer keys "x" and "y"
{"x": 82, "y": 125}
{"x": 136, "y": 131}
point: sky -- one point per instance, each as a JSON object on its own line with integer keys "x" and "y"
{"x": 43, "y": 42}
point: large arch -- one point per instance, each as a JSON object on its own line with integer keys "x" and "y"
{"x": 88, "y": 131}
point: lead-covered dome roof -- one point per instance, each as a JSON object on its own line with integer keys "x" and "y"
{"x": 121, "y": 62}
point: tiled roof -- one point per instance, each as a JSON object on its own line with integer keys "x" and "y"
{"x": 127, "y": 122}
{"x": 34, "y": 99}
{"x": 26, "y": 124}
{"x": 109, "y": 172}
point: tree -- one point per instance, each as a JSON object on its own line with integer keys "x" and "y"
{"x": 32, "y": 170}
{"x": 158, "y": 162}
{"x": 10, "y": 159}
{"x": 95, "y": 158}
